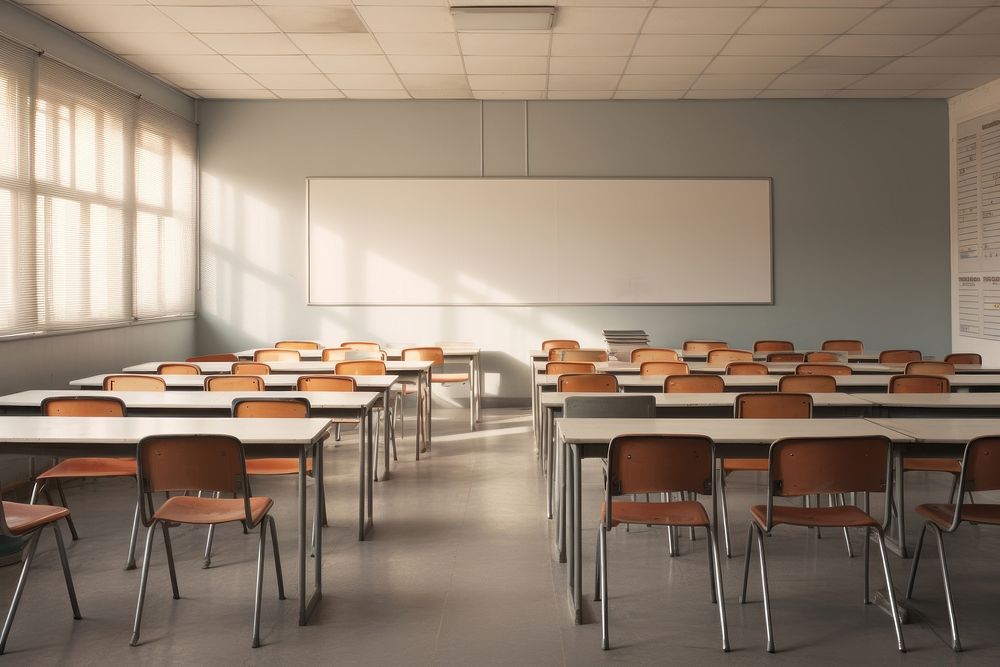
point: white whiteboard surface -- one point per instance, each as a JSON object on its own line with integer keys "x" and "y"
{"x": 495, "y": 241}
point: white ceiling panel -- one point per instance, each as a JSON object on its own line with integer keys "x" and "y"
{"x": 775, "y": 45}
{"x": 589, "y": 45}
{"x": 419, "y": 44}
{"x": 813, "y": 81}
{"x": 803, "y": 21}
{"x": 480, "y": 82}
{"x": 331, "y": 94}
{"x": 294, "y": 81}
{"x": 508, "y": 64}
{"x": 985, "y": 22}
{"x": 913, "y": 21}
{"x": 667, "y": 64}
{"x": 174, "y": 64}
{"x": 874, "y": 45}
{"x": 580, "y": 94}
{"x": 274, "y": 64}
{"x": 711, "y": 21}
{"x": 839, "y": 65}
{"x": 599, "y": 20}
{"x": 429, "y": 64}
{"x": 917, "y": 65}
{"x": 872, "y": 4}
{"x": 752, "y": 64}
{"x": 366, "y": 81}
{"x": 221, "y": 19}
{"x": 582, "y": 82}
{"x": 733, "y": 81}
{"x": 899, "y": 81}
{"x": 777, "y": 94}
{"x": 656, "y": 81}
{"x": 858, "y": 93}
{"x": 508, "y": 94}
{"x": 720, "y": 94}
{"x": 215, "y": 81}
{"x": 242, "y": 44}
{"x": 100, "y": 18}
{"x": 369, "y": 94}
{"x": 316, "y": 19}
{"x": 407, "y": 19}
{"x": 434, "y": 81}
{"x": 679, "y": 45}
{"x": 352, "y": 64}
{"x": 497, "y": 44}
{"x": 622, "y": 94}
{"x": 149, "y": 43}
{"x": 236, "y": 94}
{"x": 432, "y": 94}
{"x": 340, "y": 44}
{"x": 597, "y": 65}
{"x": 962, "y": 45}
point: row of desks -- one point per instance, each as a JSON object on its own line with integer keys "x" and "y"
{"x": 687, "y": 355}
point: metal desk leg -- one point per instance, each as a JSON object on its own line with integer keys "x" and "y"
{"x": 479, "y": 387}
{"x": 373, "y": 451}
{"x": 472, "y": 395}
{"x": 560, "y": 498}
{"x": 574, "y": 547}
{"x": 534, "y": 398}
{"x": 430, "y": 397}
{"x": 419, "y": 438}
{"x": 306, "y": 606}
{"x": 547, "y": 469}
{"x": 896, "y": 540}
{"x": 385, "y": 423}
{"x": 364, "y": 443}
{"x": 318, "y": 514}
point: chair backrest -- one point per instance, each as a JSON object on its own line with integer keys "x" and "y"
{"x": 234, "y": 383}
{"x": 623, "y": 406}
{"x": 177, "y": 368}
{"x": 964, "y": 358}
{"x": 326, "y": 383}
{"x": 694, "y": 384}
{"x": 643, "y": 354}
{"x": 563, "y": 343}
{"x": 591, "y": 382}
{"x": 297, "y": 345}
{"x": 929, "y": 368}
{"x": 773, "y": 405}
{"x": 134, "y": 383}
{"x": 362, "y": 345}
{"x": 919, "y": 384}
{"x": 786, "y": 357}
{"x": 271, "y": 407}
{"x": 723, "y": 356}
{"x": 584, "y": 355}
{"x": 843, "y": 345}
{"x": 898, "y": 356}
{"x": 981, "y": 464}
{"x": 663, "y": 368}
{"x": 250, "y": 368}
{"x": 704, "y": 345}
{"x": 808, "y": 384}
{"x": 360, "y": 367}
{"x": 823, "y": 369}
{"x": 745, "y": 368}
{"x": 773, "y": 346}
{"x": 334, "y": 353}
{"x": 435, "y": 355}
{"x": 83, "y": 406}
{"x": 275, "y": 354}
{"x": 823, "y": 356}
{"x": 560, "y": 367}
{"x": 555, "y": 353}
{"x": 213, "y": 357}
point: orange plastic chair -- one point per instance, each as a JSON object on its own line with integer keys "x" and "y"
{"x": 297, "y": 345}
{"x": 555, "y": 353}
{"x": 562, "y": 343}
{"x": 435, "y": 355}
{"x": 177, "y": 369}
{"x": 823, "y": 357}
{"x": 213, "y": 357}
{"x": 808, "y": 384}
{"x": 964, "y": 358}
{"x": 664, "y": 368}
{"x": 899, "y": 356}
{"x": 643, "y": 354}
{"x": 745, "y": 368}
{"x": 250, "y": 368}
{"x": 800, "y": 467}
{"x": 560, "y": 367}
{"x": 371, "y": 367}
{"x": 929, "y": 368}
{"x": 786, "y": 357}
{"x": 704, "y": 345}
{"x": 584, "y": 355}
{"x": 134, "y": 383}
{"x": 234, "y": 383}
{"x": 843, "y": 345}
{"x": 723, "y": 356}
{"x": 326, "y": 383}
{"x": 773, "y": 346}
{"x": 366, "y": 345}
{"x": 589, "y": 382}
{"x": 980, "y": 472}
{"x": 179, "y": 463}
{"x": 694, "y": 384}
{"x": 335, "y": 353}
{"x": 649, "y": 464}
{"x": 275, "y": 354}
{"x": 926, "y": 384}
{"x": 823, "y": 369}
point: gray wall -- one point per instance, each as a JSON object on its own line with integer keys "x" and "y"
{"x": 860, "y": 213}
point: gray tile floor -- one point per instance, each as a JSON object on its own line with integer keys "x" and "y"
{"x": 458, "y": 572}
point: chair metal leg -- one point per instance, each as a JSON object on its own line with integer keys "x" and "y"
{"x": 956, "y": 643}
{"x": 602, "y": 537}
{"x": 35, "y": 490}
{"x": 69, "y": 519}
{"x": 725, "y": 513}
{"x": 277, "y": 557}
{"x": 767, "y": 595}
{"x": 711, "y": 570}
{"x": 713, "y": 548}
{"x": 891, "y": 592}
{"x": 168, "y": 547}
{"x": 597, "y": 571}
{"x": 336, "y": 432}
{"x": 746, "y": 563}
{"x": 867, "y": 548}
{"x": 916, "y": 561}
{"x": 67, "y": 575}
{"x": 29, "y": 556}
{"x": 132, "y": 540}
{"x": 259, "y": 589}
{"x": 207, "y": 561}
{"x": 143, "y": 579}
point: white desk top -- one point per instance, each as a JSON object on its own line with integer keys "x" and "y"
{"x": 284, "y": 381}
{"x": 199, "y": 400}
{"x": 972, "y": 399}
{"x": 216, "y": 367}
{"x": 947, "y": 431}
{"x": 724, "y": 399}
{"x": 316, "y": 355}
{"x": 655, "y": 382}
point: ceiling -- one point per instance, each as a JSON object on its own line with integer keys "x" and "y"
{"x": 597, "y": 49}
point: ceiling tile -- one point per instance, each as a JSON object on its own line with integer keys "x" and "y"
{"x": 149, "y": 43}
{"x": 174, "y": 64}
{"x": 90, "y": 18}
{"x": 366, "y": 81}
{"x": 407, "y": 19}
{"x": 343, "y": 44}
{"x": 873, "y": 94}
{"x": 985, "y": 22}
{"x": 709, "y": 3}
{"x": 419, "y": 44}
{"x": 214, "y": 81}
{"x": 732, "y": 81}
{"x": 694, "y": 21}
{"x": 221, "y": 19}
{"x": 940, "y": 3}
{"x": 598, "y": 65}
{"x": 775, "y": 45}
{"x": 250, "y": 44}
{"x": 331, "y": 94}
{"x": 352, "y": 64}
{"x": 802, "y": 21}
{"x": 961, "y": 45}
{"x": 599, "y": 20}
{"x": 667, "y": 64}
{"x": 581, "y": 94}
{"x": 307, "y": 3}
{"x": 937, "y": 94}
{"x": 874, "y": 45}
{"x": 293, "y": 81}
{"x": 582, "y": 82}
{"x": 459, "y": 94}
{"x": 656, "y": 82}
{"x": 418, "y": 3}
{"x": 899, "y": 81}
{"x": 508, "y": 94}
{"x": 591, "y": 45}
{"x": 316, "y": 19}
{"x": 721, "y": 94}
{"x": 93, "y": 2}
{"x": 968, "y": 81}
{"x": 912, "y": 21}
{"x": 170, "y": 3}
{"x": 771, "y": 93}
{"x": 367, "y": 94}
{"x": 839, "y": 65}
{"x": 497, "y": 44}
{"x": 434, "y": 81}
{"x": 508, "y": 64}
{"x": 826, "y": 3}
{"x": 249, "y": 94}
{"x": 813, "y": 81}
{"x": 752, "y": 64}
{"x": 958, "y": 65}
{"x": 428, "y": 64}
{"x": 579, "y": 3}
{"x": 481, "y": 82}
{"x": 274, "y": 64}
{"x": 649, "y": 94}
{"x": 679, "y": 45}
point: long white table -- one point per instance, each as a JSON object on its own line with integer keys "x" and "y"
{"x": 111, "y": 436}
{"x": 776, "y": 368}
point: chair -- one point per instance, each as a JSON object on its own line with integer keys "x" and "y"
{"x": 980, "y": 471}
{"x": 644, "y": 464}
{"x": 213, "y": 357}
{"x": 663, "y": 368}
{"x": 371, "y": 367}
{"x": 334, "y": 354}
{"x": 589, "y": 382}
{"x": 703, "y": 345}
{"x": 560, "y": 367}
{"x": 745, "y": 368}
{"x": 362, "y": 345}
{"x": 723, "y": 356}
{"x": 898, "y": 356}
{"x": 642, "y": 354}
{"x": 250, "y": 368}
{"x": 276, "y": 354}
{"x": 837, "y": 465}
{"x": 929, "y": 368}
{"x": 823, "y": 369}
{"x": 823, "y": 357}
{"x": 26, "y": 522}
{"x": 562, "y": 343}
{"x": 177, "y": 369}
{"x": 773, "y": 346}
{"x": 808, "y": 384}
{"x": 234, "y": 383}
{"x": 214, "y": 463}
{"x": 786, "y": 357}
{"x": 964, "y": 358}
{"x": 329, "y": 383}
{"x": 435, "y": 355}
{"x": 919, "y": 384}
{"x": 843, "y": 345}
{"x": 297, "y": 345}
{"x": 134, "y": 383}
{"x": 694, "y": 384}
{"x": 555, "y": 353}
{"x": 584, "y": 355}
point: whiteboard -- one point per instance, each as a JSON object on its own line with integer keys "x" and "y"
{"x": 532, "y": 241}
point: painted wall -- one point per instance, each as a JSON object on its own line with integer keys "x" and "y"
{"x": 860, "y": 214}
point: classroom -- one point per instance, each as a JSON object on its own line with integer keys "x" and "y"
{"x": 467, "y": 262}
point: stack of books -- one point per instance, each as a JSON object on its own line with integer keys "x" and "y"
{"x": 621, "y": 342}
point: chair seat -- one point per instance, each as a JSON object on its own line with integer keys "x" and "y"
{"x": 756, "y": 465}
{"x": 833, "y": 517}
{"x": 954, "y": 466}
{"x": 681, "y": 513}
{"x": 90, "y": 467}
{"x": 941, "y": 513}
{"x": 280, "y": 466}
{"x": 192, "y": 509}
{"x": 449, "y": 378}
{"x": 23, "y": 518}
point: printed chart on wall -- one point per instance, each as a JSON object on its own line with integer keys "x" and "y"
{"x": 977, "y": 153}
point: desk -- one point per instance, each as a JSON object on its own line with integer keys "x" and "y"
{"x": 330, "y": 404}
{"x": 113, "y": 436}
{"x": 963, "y": 404}
{"x": 743, "y": 438}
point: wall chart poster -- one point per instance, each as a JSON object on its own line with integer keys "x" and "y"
{"x": 977, "y": 157}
